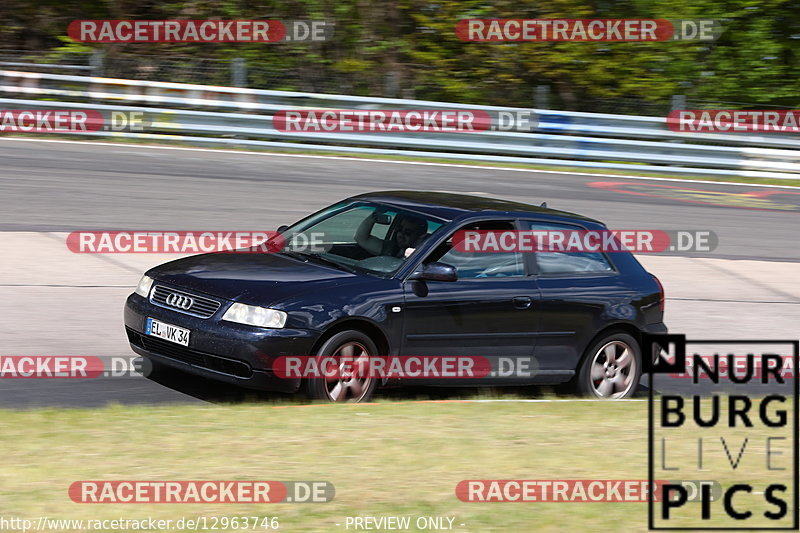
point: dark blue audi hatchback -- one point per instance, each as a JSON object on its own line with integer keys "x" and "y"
{"x": 383, "y": 278}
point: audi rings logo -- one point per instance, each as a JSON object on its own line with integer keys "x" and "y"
{"x": 180, "y": 301}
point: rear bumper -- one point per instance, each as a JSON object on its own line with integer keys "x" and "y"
{"x": 658, "y": 328}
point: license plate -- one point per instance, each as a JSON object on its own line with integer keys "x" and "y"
{"x": 168, "y": 332}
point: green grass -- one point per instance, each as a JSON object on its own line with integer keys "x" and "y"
{"x": 384, "y": 459}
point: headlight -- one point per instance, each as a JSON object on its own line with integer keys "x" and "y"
{"x": 255, "y": 316}
{"x": 144, "y": 286}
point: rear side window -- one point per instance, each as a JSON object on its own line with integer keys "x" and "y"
{"x": 565, "y": 263}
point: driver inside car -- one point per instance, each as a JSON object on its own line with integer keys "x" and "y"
{"x": 408, "y": 234}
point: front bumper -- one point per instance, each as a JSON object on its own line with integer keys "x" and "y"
{"x": 224, "y": 351}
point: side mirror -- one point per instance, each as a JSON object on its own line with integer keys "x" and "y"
{"x": 282, "y": 228}
{"x": 436, "y": 272}
{"x": 382, "y": 218}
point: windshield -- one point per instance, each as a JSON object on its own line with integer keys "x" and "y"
{"x": 360, "y": 236}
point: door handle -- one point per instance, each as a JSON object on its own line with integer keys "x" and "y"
{"x": 521, "y": 302}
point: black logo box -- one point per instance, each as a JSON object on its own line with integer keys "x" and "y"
{"x": 652, "y": 363}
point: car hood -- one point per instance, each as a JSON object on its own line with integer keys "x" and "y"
{"x": 259, "y": 279}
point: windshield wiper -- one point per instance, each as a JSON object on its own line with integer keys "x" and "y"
{"x": 305, "y": 257}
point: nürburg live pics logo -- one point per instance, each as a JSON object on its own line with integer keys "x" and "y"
{"x": 735, "y": 421}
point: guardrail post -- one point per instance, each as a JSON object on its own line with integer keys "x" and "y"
{"x": 541, "y": 98}
{"x": 238, "y": 72}
{"x": 97, "y": 62}
{"x": 391, "y": 85}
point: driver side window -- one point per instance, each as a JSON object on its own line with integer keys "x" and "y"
{"x": 471, "y": 265}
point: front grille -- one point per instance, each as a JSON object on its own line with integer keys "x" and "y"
{"x": 188, "y": 355}
{"x": 200, "y": 305}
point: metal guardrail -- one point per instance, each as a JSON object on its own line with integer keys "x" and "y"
{"x": 45, "y": 65}
{"x": 238, "y": 116}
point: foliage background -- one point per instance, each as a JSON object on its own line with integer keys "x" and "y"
{"x": 408, "y": 48}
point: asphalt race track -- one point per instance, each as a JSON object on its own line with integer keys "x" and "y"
{"x": 55, "y": 302}
{"x": 67, "y": 186}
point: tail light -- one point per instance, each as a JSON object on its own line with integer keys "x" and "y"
{"x": 660, "y": 294}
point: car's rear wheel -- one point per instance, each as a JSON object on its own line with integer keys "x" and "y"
{"x": 611, "y": 368}
{"x": 352, "y": 351}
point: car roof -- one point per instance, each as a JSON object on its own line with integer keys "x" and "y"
{"x": 450, "y": 206}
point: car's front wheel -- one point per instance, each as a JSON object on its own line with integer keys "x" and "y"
{"x": 611, "y": 368}
{"x": 352, "y": 382}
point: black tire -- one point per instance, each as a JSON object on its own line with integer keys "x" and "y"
{"x": 616, "y": 361}
{"x": 344, "y": 388}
